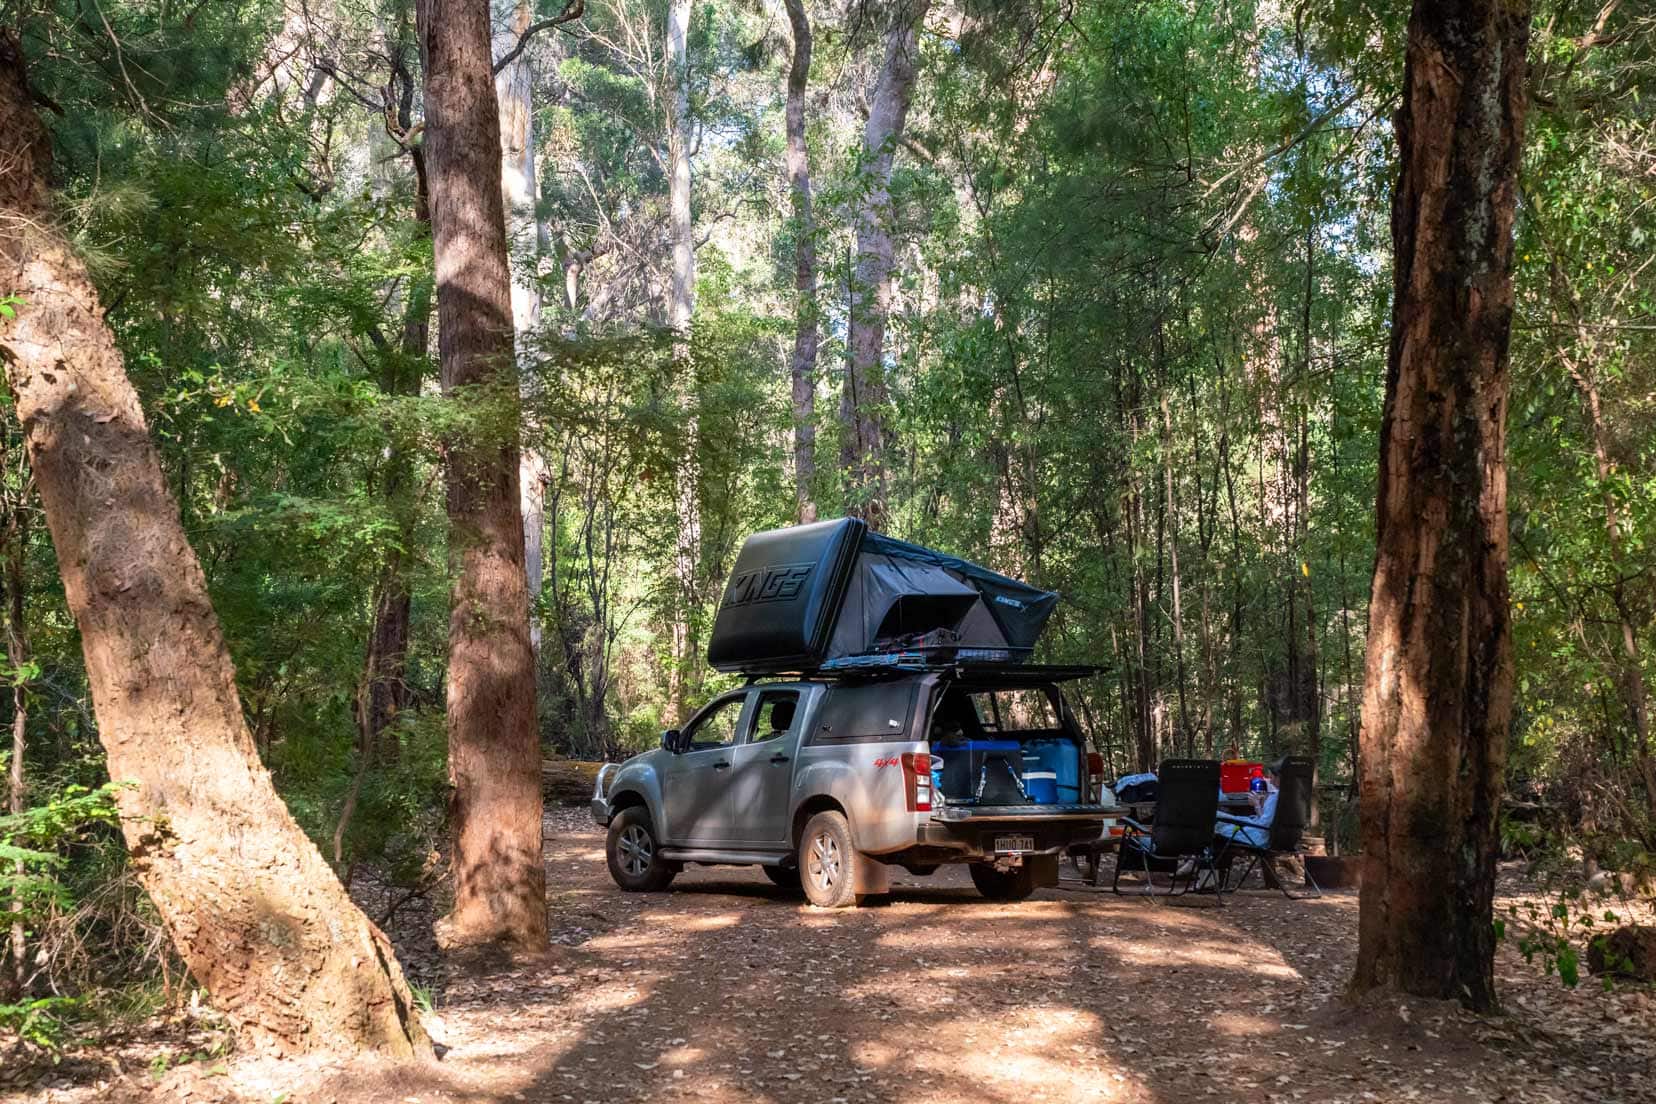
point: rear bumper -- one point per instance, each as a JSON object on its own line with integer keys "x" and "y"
{"x": 966, "y": 834}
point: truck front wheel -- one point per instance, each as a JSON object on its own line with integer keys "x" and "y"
{"x": 634, "y": 855}
{"x": 827, "y": 862}
{"x": 1003, "y": 885}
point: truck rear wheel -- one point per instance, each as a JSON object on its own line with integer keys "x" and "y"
{"x": 1003, "y": 885}
{"x": 827, "y": 864}
{"x": 634, "y": 855}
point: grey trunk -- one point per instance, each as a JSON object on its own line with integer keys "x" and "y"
{"x": 862, "y": 453}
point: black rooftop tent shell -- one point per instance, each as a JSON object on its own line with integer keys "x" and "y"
{"x": 832, "y": 594}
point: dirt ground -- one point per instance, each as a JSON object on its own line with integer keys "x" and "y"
{"x": 728, "y": 990}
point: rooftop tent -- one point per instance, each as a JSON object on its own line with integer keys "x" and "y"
{"x": 783, "y": 597}
{"x": 825, "y": 594}
{"x": 1019, "y": 610}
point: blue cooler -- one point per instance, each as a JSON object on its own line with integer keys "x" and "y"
{"x": 1058, "y": 759}
{"x": 1041, "y": 786}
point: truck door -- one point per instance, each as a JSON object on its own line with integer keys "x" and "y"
{"x": 762, "y": 770}
{"x": 696, "y": 783}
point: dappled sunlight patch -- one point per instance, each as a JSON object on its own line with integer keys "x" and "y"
{"x": 692, "y": 922}
{"x": 1231, "y": 958}
{"x": 1241, "y": 1024}
{"x": 679, "y": 1057}
{"x": 947, "y": 940}
{"x": 1034, "y": 1051}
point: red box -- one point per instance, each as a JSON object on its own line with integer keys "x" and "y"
{"x": 1236, "y": 774}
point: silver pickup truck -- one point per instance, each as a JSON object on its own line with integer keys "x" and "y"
{"x": 828, "y": 783}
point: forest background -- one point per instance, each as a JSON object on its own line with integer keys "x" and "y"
{"x": 1130, "y": 346}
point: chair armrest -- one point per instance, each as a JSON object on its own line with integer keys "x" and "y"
{"x": 1228, "y": 818}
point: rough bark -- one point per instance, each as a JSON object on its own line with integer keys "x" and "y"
{"x": 863, "y": 451}
{"x": 494, "y": 753}
{"x": 802, "y": 365}
{"x": 250, "y": 904}
{"x": 1437, "y": 698}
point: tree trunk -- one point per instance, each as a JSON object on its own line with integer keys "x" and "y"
{"x": 252, "y": 907}
{"x": 802, "y": 367}
{"x": 17, "y": 655}
{"x": 1437, "y": 695}
{"x": 683, "y": 292}
{"x": 494, "y": 753}
{"x": 680, "y": 308}
{"x": 862, "y": 455}
{"x": 514, "y": 85}
{"x": 402, "y": 372}
{"x": 1629, "y": 669}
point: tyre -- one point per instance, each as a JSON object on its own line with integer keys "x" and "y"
{"x": 634, "y": 856}
{"x": 783, "y": 877}
{"x": 827, "y": 862}
{"x": 1003, "y": 885}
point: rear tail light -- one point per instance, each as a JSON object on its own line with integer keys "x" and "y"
{"x": 1095, "y": 777}
{"x": 917, "y": 781}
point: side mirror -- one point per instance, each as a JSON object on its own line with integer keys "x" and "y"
{"x": 670, "y": 740}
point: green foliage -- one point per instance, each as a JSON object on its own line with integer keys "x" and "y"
{"x": 34, "y": 844}
{"x": 1556, "y": 934}
{"x": 43, "y": 1022}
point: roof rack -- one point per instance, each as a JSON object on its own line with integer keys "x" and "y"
{"x": 872, "y": 668}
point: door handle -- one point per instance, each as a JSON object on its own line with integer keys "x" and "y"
{"x": 779, "y": 758}
{"x": 721, "y": 765}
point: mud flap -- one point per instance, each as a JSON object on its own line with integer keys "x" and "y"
{"x": 1044, "y": 868}
{"x": 872, "y": 878}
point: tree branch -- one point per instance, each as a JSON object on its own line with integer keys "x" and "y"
{"x": 573, "y": 10}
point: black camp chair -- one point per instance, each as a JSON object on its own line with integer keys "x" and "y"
{"x": 1186, "y": 805}
{"x": 1285, "y": 836}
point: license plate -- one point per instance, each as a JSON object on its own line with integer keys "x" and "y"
{"x": 1014, "y": 845}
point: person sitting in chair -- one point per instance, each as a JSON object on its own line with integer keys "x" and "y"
{"x": 1252, "y": 831}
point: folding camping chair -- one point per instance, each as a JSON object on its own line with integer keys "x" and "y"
{"x": 1295, "y": 791}
{"x": 1182, "y": 835}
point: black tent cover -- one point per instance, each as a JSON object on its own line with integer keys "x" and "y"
{"x": 833, "y": 594}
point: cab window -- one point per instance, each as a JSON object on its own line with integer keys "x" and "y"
{"x": 774, "y": 717}
{"x": 717, "y": 727}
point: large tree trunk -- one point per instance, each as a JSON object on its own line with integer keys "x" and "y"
{"x": 251, "y": 906}
{"x": 862, "y": 453}
{"x": 802, "y": 367}
{"x": 1437, "y": 696}
{"x": 494, "y": 754}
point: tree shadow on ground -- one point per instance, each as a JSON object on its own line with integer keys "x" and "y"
{"x": 729, "y": 990}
